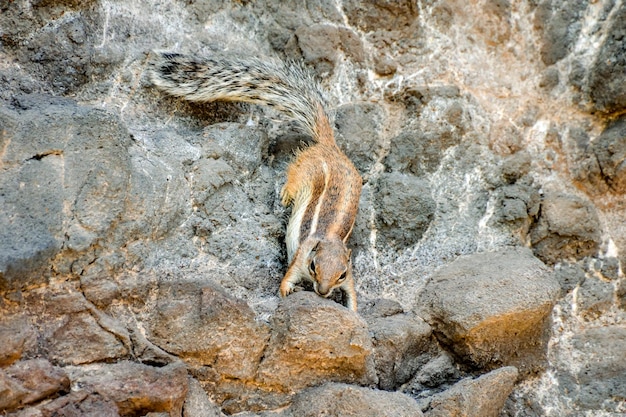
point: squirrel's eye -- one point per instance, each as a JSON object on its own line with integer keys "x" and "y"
{"x": 312, "y": 266}
{"x": 342, "y": 277}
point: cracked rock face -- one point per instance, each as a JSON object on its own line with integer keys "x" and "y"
{"x": 142, "y": 236}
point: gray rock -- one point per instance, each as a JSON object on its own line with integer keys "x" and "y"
{"x": 560, "y": 22}
{"x": 405, "y": 209}
{"x": 492, "y": 309}
{"x": 402, "y": 343}
{"x": 335, "y": 400}
{"x": 606, "y": 86}
{"x": 198, "y": 403}
{"x": 517, "y": 204}
{"x": 568, "y": 227}
{"x": 595, "y": 296}
{"x": 582, "y": 161}
{"x": 243, "y": 147}
{"x": 599, "y": 383}
{"x": 549, "y": 78}
{"x": 436, "y": 120}
{"x": 436, "y": 375}
{"x": 66, "y": 171}
{"x": 380, "y": 308}
{"x": 117, "y": 212}
{"x": 610, "y": 151}
{"x": 67, "y": 54}
{"x": 480, "y": 397}
{"x": 31, "y": 232}
{"x": 384, "y": 65}
{"x": 621, "y": 294}
{"x": 359, "y": 129}
{"x": 569, "y": 276}
{"x": 608, "y": 268}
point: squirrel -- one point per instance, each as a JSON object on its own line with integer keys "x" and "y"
{"x": 323, "y": 186}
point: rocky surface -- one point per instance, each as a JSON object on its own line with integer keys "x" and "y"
{"x": 142, "y": 237}
{"x": 490, "y": 319}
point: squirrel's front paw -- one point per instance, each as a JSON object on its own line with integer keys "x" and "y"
{"x": 286, "y": 288}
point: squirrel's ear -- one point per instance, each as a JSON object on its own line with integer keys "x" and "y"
{"x": 316, "y": 247}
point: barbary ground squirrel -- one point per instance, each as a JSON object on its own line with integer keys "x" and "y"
{"x": 322, "y": 183}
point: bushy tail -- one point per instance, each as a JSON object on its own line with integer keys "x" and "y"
{"x": 286, "y": 87}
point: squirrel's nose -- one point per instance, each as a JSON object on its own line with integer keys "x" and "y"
{"x": 323, "y": 290}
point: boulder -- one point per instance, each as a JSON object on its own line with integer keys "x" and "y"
{"x": 203, "y": 325}
{"x": 610, "y": 150}
{"x": 135, "y": 388}
{"x": 348, "y": 400}
{"x": 198, "y": 403}
{"x": 80, "y": 339}
{"x": 568, "y": 227}
{"x": 26, "y": 382}
{"x": 405, "y": 209}
{"x": 481, "y": 397}
{"x": 599, "y": 382}
{"x": 65, "y": 169}
{"x": 17, "y": 335}
{"x": 315, "y": 340}
{"x": 402, "y": 343}
{"x": 359, "y": 127}
{"x": 76, "y": 403}
{"x": 492, "y": 309}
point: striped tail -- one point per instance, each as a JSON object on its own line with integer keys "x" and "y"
{"x": 287, "y": 87}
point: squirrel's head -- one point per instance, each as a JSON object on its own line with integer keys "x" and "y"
{"x": 329, "y": 266}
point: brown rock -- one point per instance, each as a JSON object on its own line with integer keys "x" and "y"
{"x": 492, "y": 309}
{"x": 320, "y": 45}
{"x": 347, "y": 400}
{"x": 220, "y": 339}
{"x": 16, "y": 333}
{"x": 136, "y": 388}
{"x": 373, "y": 15}
{"x": 26, "y": 382}
{"x": 203, "y": 325}
{"x": 78, "y": 404}
{"x": 11, "y": 393}
{"x": 480, "y": 397}
{"x": 80, "y": 339}
{"x": 316, "y": 340}
{"x": 384, "y": 65}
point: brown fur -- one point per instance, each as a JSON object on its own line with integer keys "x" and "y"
{"x": 323, "y": 186}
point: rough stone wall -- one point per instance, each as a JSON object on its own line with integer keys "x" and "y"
{"x": 141, "y": 237}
